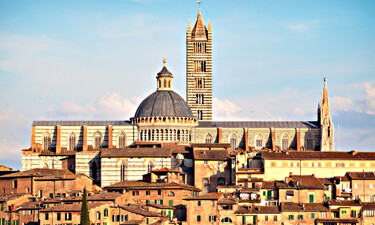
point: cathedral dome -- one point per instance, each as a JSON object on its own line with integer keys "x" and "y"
{"x": 163, "y": 103}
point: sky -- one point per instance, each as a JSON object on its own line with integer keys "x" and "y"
{"x": 97, "y": 60}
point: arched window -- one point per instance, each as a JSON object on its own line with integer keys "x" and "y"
{"x": 178, "y": 135}
{"x": 309, "y": 142}
{"x": 233, "y": 142}
{"x": 97, "y": 140}
{"x": 123, "y": 171}
{"x": 209, "y": 138}
{"x": 122, "y": 140}
{"x": 220, "y": 181}
{"x": 285, "y": 142}
{"x": 171, "y": 193}
{"x": 165, "y": 83}
{"x": 46, "y": 141}
{"x": 226, "y": 220}
{"x": 259, "y": 142}
{"x": 105, "y": 212}
{"x": 72, "y": 141}
{"x": 98, "y": 215}
{"x": 206, "y": 186}
{"x": 200, "y": 114}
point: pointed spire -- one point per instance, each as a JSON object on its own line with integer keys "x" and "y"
{"x": 209, "y": 25}
{"x": 189, "y": 27}
{"x": 199, "y": 31}
{"x": 325, "y": 92}
{"x": 164, "y": 61}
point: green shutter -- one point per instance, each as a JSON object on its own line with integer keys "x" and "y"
{"x": 311, "y": 198}
{"x": 51, "y": 195}
{"x": 264, "y": 193}
{"x": 161, "y": 202}
{"x": 171, "y": 203}
{"x": 312, "y": 215}
{"x": 156, "y": 201}
{"x": 147, "y": 201}
{"x": 243, "y": 220}
{"x": 269, "y": 195}
{"x": 209, "y": 218}
{"x": 147, "y": 221}
{"x": 214, "y": 218}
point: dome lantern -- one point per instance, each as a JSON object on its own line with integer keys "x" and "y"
{"x": 164, "y": 78}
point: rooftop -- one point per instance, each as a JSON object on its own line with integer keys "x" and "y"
{"x": 209, "y": 196}
{"x": 317, "y": 155}
{"x": 141, "y": 185}
{"x": 260, "y": 124}
{"x": 136, "y": 152}
{"x": 217, "y": 155}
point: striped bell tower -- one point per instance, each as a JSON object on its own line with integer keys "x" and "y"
{"x": 199, "y": 69}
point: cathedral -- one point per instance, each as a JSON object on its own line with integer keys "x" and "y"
{"x": 165, "y": 127}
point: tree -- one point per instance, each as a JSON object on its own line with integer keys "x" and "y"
{"x": 85, "y": 217}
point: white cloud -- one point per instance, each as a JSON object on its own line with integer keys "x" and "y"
{"x": 370, "y": 97}
{"x": 109, "y": 106}
{"x": 303, "y": 27}
{"x": 342, "y": 104}
{"x": 225, "y": 110}
{"x": 11, "y": 152}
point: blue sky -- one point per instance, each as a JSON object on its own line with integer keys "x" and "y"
{"x": 96, "y": 60}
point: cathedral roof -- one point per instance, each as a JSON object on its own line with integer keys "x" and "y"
{"x": 163, "y": 104}
{"x": 81, "y": 123}
{"x": 260, "y": 124}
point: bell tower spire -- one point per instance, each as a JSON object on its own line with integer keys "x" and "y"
{"x": 325, "y": 121}
{"x": 199, "y": 68}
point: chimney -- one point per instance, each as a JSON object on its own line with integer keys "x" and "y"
{"x": 354, "y": 152}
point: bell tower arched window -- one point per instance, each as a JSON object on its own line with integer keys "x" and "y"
{"x": 122, "y": 140}
{"x": 233, "y": 142}
{"x": 97, "y": 140}
{"x": 259, "y": 142}
{"x": 72, "y": 141}
{"x": 46, "y": 141}
{"x": 209, "y": 138}
{"x": 285, "y": 142}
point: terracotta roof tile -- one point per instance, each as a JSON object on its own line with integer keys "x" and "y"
{"x": 140, "y": 209}
{"x": 217, "y": 155}
{"x": 307, "y": 207}
{"x": 75, "y": 207}
{"x": 317, "y": 155}
{"x": 368, "y": 205}
{"x": 7, "y": 197}
{"x": 136, "y": 152}
{"x": 305, "y": 182}
{"x": 153, "y": 185}
{"x": 38, "y": 172}
{"x": 227, "y": 201}
{"x": 258, "y": 210}
{"x": 132, "y": 222}
{"x": 344, "y": 203}
{"x": 361, "y": 175}
{"x": 158, "y": 206}
{"x": 209, "y": 196}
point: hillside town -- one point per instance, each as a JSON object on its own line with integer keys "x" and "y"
{"x": 171, "y": 164}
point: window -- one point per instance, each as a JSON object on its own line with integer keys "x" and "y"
{"x": 311, "y": 198}
{"x": 266, "y": 218}
{"x": 369, "y": 212}
{"x": 233, "y": 142}
{"x": 171, "y": 203}
{"x": 58, "y": 216}
{"x": 105, "y": 213}
{"x": 208, "y": 139}
{"x": 135, "y": 193}
{"x": 340, "y": 164}
{"x": 291, "y": 217}
{"x": 46, "y": 141}
{"x": 198, "y": 218}
{"x": 285, "y": 142}
{"x": 46, "y": 216}
{"x": 72, "y": 141}
{"x": 123, "y": 171}
{"x": 147, "y": 201}
{"x": 200, "y": 114}
{"x": 356, "y": 185}
{"x": 323, "y": 215}
{"x": 199, "y": 83}
{"x": 199, "y": 98}
{"x": 211, "y": 218}
{"x": 295, "y": 164}
{"x": 115, "y": 218}
{"x": 98, "y": 215}
{"x": 68, "y": 216}
{"x": 171, "y": 193}
{"x": 259, "y": 142}
{"x": 275, "y": 218}
{"x": 226, "y": 220}
{"x": 199, "y": 47}
{"x": 312, "y": 215}
{"x": 124, "y": 218}
{"x": 199, "y": 66}
{"x": 147, "y": 192}
{"x": 122, "y": 140}
{"x": 300, "y": 217}
{"x": 316, "y": 164}
{"x": 309, "y": 142}
{"x": 371, "y": 185}
{"x": 15, "y": 184}
{"x": 97, "y": 140}
{"x": 199, "y": 203}
{"x": 159, "y": 192}
{"x": 40, "y": 193}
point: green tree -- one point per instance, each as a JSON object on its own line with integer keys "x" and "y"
{"x": 85, "y": 217}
